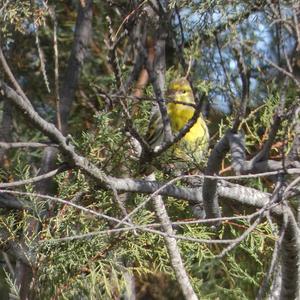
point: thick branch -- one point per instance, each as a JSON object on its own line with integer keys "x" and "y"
{"x": 290, "y": 256}
{"x": 13, "y": 247}
{"x": 82, "y": 36}
{"x": 6, "y": 126}
{"x": 173, "y": 250}
{"x": 209, "y": 192}
{"x": 11, "y": 202}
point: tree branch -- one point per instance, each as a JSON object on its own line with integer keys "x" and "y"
{"x": 82, "y": 36}
{"x": 172, "y": 247}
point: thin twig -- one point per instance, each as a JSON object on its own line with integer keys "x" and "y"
{"x": 56, "y": 199}
{"x": 50, "y": 174}
{"x": 7, "y": 145}
{"x": 108, "y": 218}
{"x": 42, "y": 58}
{"x": 274, "y": 199}
{"x": 245, "y": 75}
{"x": 240, "y": 238}
{"x": 283, "y": 71}
{"x": 122, "y": 207}
{"x": 154, "y": 225}
{"x": 56, "y": 68}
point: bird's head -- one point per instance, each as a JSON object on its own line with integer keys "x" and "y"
{"x": 181, "y": 91}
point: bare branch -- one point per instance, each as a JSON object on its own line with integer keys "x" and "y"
{"x": 273, "y": 266}
{"x": 245, "y": 78}
{"x": 7, "y": 145}
{"x": 82, "y": 35}
{"x": 155, "y": 225}
{"x": 209, "y": 191}
{"x": 56, "y": 67}
{"x": 271, "y": 63}
{"x": 56, "y": 199}
{"x": 11, "y": 202}
{"x": 44, "y": 176}
{"x": 290, "y": 256}
{"x": 240, "y": 239}
{"x": 172, "y": 247}
{"x": 41, "y": 58}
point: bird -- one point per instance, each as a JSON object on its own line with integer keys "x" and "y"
{"x": 180, "y": 109}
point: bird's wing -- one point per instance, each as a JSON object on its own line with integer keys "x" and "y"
{"x": 155, "y": 133}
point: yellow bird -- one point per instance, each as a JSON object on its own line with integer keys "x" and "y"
{"x": 195, "y": 142}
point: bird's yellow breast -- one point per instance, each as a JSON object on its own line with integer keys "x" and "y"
{"x": 179, "y": 115}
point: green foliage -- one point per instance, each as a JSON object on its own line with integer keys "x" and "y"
{"x": 14, "y": 16}
{"x": 93, "y": 267}
{"x": 108, "y": 144}
{"x": 14, "y": 290}
{"x": 96, "y": 263}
